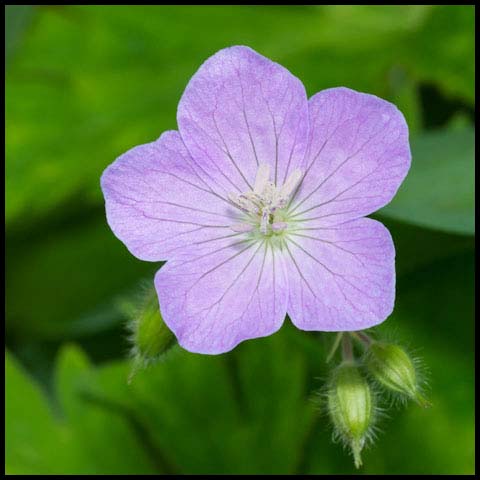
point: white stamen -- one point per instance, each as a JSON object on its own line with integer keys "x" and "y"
{"x": 261, "y": 179}
{"x": 292, "y": 181}
{"x": 264, "y": 200}
{"x": 243, "y": 201}
{"x": 264, "y": 221}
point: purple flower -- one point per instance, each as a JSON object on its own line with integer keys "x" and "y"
{"x": 258, "y": 204}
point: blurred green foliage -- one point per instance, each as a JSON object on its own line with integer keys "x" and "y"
{"x": 86, "y": 83}
{"x": 108, "y": 77}
{"x": 439, "y": 191}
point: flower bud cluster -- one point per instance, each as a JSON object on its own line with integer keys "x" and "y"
{"x": 354, "y": 387}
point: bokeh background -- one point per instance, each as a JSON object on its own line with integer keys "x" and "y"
{"x": 86, "y": 83}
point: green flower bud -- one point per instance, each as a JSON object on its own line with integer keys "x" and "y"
{"x": 150, "y": 336}
{"x": 351, "y": 407}
{"x": 392, "y": 367}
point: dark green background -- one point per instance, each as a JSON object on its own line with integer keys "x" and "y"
{"x": 86, "y": 83}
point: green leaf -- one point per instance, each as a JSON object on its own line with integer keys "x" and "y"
{"x": 189, "y": 414}
{"x": 439, "y": 190}
{"x": 105, "y": 434}
{"x": 86, "y": 437}
{"x": 35, "y": 442}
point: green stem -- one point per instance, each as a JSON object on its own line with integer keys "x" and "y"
{"x": 347, "y": 350}
{"x": 335, "y": 346}
{"x": 362, "y": 338}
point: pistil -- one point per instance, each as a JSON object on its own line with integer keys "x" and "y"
{"x": 261, "y": 203}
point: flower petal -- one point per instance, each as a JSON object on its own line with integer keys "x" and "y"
{"x": 236, "y": 291}
{"x": 358, "y": 156}
{"x": 241, "y": 110}
{"x": 341, "y": 278}
{"x": 158, "y": 206}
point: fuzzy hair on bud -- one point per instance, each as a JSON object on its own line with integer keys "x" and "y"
{"x": 149, "y": 335}
{"x": 393, "y": 369}
{"x": 350, "y": 403}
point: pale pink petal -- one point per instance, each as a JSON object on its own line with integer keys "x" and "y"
{"x": 358, "y": 156}
{"x": 157, "y": 206}
{"x": 241, "y": 110}
{"x": 236, "y": 291}
{"x": 341, "y": 277}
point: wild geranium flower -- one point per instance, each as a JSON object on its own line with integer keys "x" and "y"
{"x": 257, "y": 203}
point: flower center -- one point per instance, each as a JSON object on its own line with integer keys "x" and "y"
{"x": 265, "y": 203}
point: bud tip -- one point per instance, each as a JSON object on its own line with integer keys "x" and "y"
{"x": 356, "y": 449}
{"x": 422, "y": 401}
